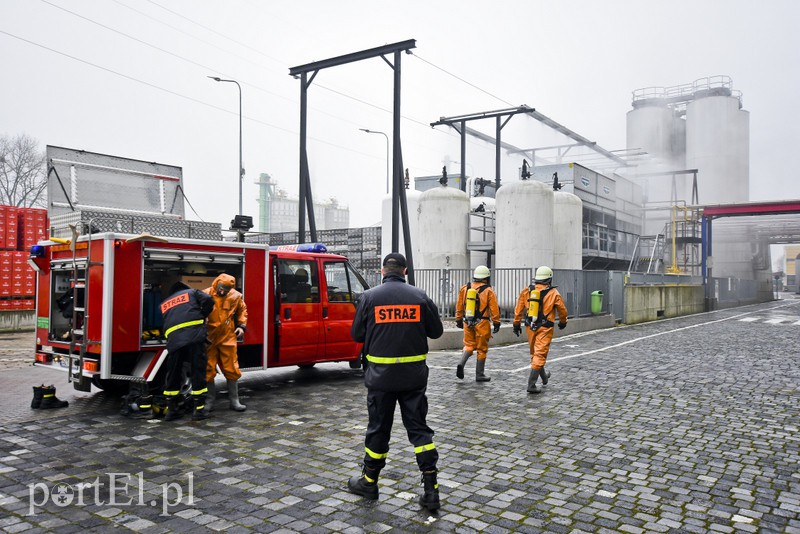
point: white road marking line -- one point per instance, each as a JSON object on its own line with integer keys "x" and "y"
{"x": 749, "y": 319}
{"x": 775, "y": 321}
{"x": 603, "y": 349}
{"x": 635, "y": 340}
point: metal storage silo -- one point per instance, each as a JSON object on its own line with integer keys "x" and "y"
{"x": 656, "y": 128}
{"x": 443, "y": 229}
{"x": 481, "y": 230}
{"x": 524, "y": 225}
{"x": 567, "y": 231}
{"x": 718, "y": 143}
{"x": 412, "y": 201}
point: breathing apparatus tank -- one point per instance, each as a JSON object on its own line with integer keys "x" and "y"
{"x": 471, "y": 305}
{"x": 534, "y": 305}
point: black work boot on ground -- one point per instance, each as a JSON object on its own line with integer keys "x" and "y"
{"x": 532, "y": 387}
{"x": 430, "y": 498}
{"x": 200, "y": 409}
{"x": 460, "y": 367}
{"x": 36, "y": 403}
{"x": 365, "y": 484}
{"x": 545, "y": 376}
{"x": 141, "y": 408}
{"x": 49, "y": 399}
{"x": 480, "y": 365}
{"x": 173, "y": 410}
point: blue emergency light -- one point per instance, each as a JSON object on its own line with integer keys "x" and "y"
{"x": 301, "y": 247}
{"x": 37, "y": 251}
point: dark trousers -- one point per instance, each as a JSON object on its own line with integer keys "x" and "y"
{"x": 195, "y": 355}
{"x": 414, "y": 410}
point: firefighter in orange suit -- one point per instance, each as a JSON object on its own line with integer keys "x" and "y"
{"x": 539, "y": 303}
{"x": 226, "y": 324}
{"x": 476, "y": 306}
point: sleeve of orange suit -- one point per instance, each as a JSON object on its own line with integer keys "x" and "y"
{"x": 462, "y": 295}
{"x": 241, "y": 314}
{"x": 494, "y": 309}
{"x": 522, "y": 302}
{"x": 561, "y": 307}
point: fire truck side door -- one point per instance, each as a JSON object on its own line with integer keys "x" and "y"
{"x": 344, "y": 286}
{"x": 300, "y": 312}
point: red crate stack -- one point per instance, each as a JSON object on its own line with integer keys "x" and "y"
{"x": 32, "y": 227}
{"x": 6, "y": 272}
{"x": 23, "y": 283}
{"x": 3, "y": 227}
{"x": 12, "y": 227}
{"x": 20, "y": 229}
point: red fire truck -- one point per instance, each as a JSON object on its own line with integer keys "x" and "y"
{"x": 98, "y": 296}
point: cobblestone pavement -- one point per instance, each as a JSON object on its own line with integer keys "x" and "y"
{"x": 682, "y": 425}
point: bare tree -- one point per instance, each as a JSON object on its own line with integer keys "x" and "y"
{"x": 22, "y": 172}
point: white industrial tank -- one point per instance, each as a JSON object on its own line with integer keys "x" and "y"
{"x": 481, "y": 230}
{"x": 657, "y": 129}
{"x": 524, "y": 225}
{"x": 651, "y": 127}
{"x": 412, "y": 201}
{"x": 718, "y": 145}
{"x": 443, "y": 229}
{"x": 567, "y": 231}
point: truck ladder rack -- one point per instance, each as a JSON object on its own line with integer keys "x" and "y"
{"x": 78, "y": 343}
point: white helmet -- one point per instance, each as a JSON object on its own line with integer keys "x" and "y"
{"x": 481, "y": 272}
{"x": 543, "y": 274}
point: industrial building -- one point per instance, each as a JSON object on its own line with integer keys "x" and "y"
{"x": 639, "y": 210}
{"x": 278, "y": 212}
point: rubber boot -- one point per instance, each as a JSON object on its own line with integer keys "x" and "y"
{"x": 49, "y": 399}
{"x": 532, "y": 387}
{"x": 173, "y": 409}
{"x": 200, "y": 408}
{"x": 233, "y": 396}
{"x": 430, "y": 498}
{"x": 545, "y": 376}
{"x": 460, "y": 367}
{"x": 141, "y": 408}
{"x": 211, "y": 397}
{"x": 480, "y": 365}
{"x": 36, "y": 402}
{"x": 365, "y": 484}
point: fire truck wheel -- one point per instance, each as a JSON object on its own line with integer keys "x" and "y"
{"x": 306, "y": 365}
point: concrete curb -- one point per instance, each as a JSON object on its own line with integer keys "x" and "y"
{"x": 452, "y": 339}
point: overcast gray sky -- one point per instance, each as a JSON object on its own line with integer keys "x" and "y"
{"x": 128, "y": 78}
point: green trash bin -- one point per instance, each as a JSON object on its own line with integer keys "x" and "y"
{"x": 597, "y": 302}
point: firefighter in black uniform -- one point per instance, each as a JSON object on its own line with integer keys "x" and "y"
{"x": 394, "y": 321}
{"x": 185, "y": 312}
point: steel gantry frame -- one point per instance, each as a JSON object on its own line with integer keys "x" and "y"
{"x": 458, "y": 123}
{"x": 399, "y": 204}
{"x": 788, "y": 207}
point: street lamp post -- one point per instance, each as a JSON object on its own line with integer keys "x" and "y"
{"x": 241, "y": 168}
{"x": 387, "y": 154}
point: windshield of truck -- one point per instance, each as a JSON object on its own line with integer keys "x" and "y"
{"x": 344, "y": 283}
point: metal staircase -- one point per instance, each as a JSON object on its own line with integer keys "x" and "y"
{"x": 648, "y": 255}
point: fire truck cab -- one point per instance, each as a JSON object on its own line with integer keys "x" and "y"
{"x": 99, "y": 295}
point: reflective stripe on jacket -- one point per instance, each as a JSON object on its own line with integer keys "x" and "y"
{"x": 394, "y": 321}
{"x": 184, "y": 317}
